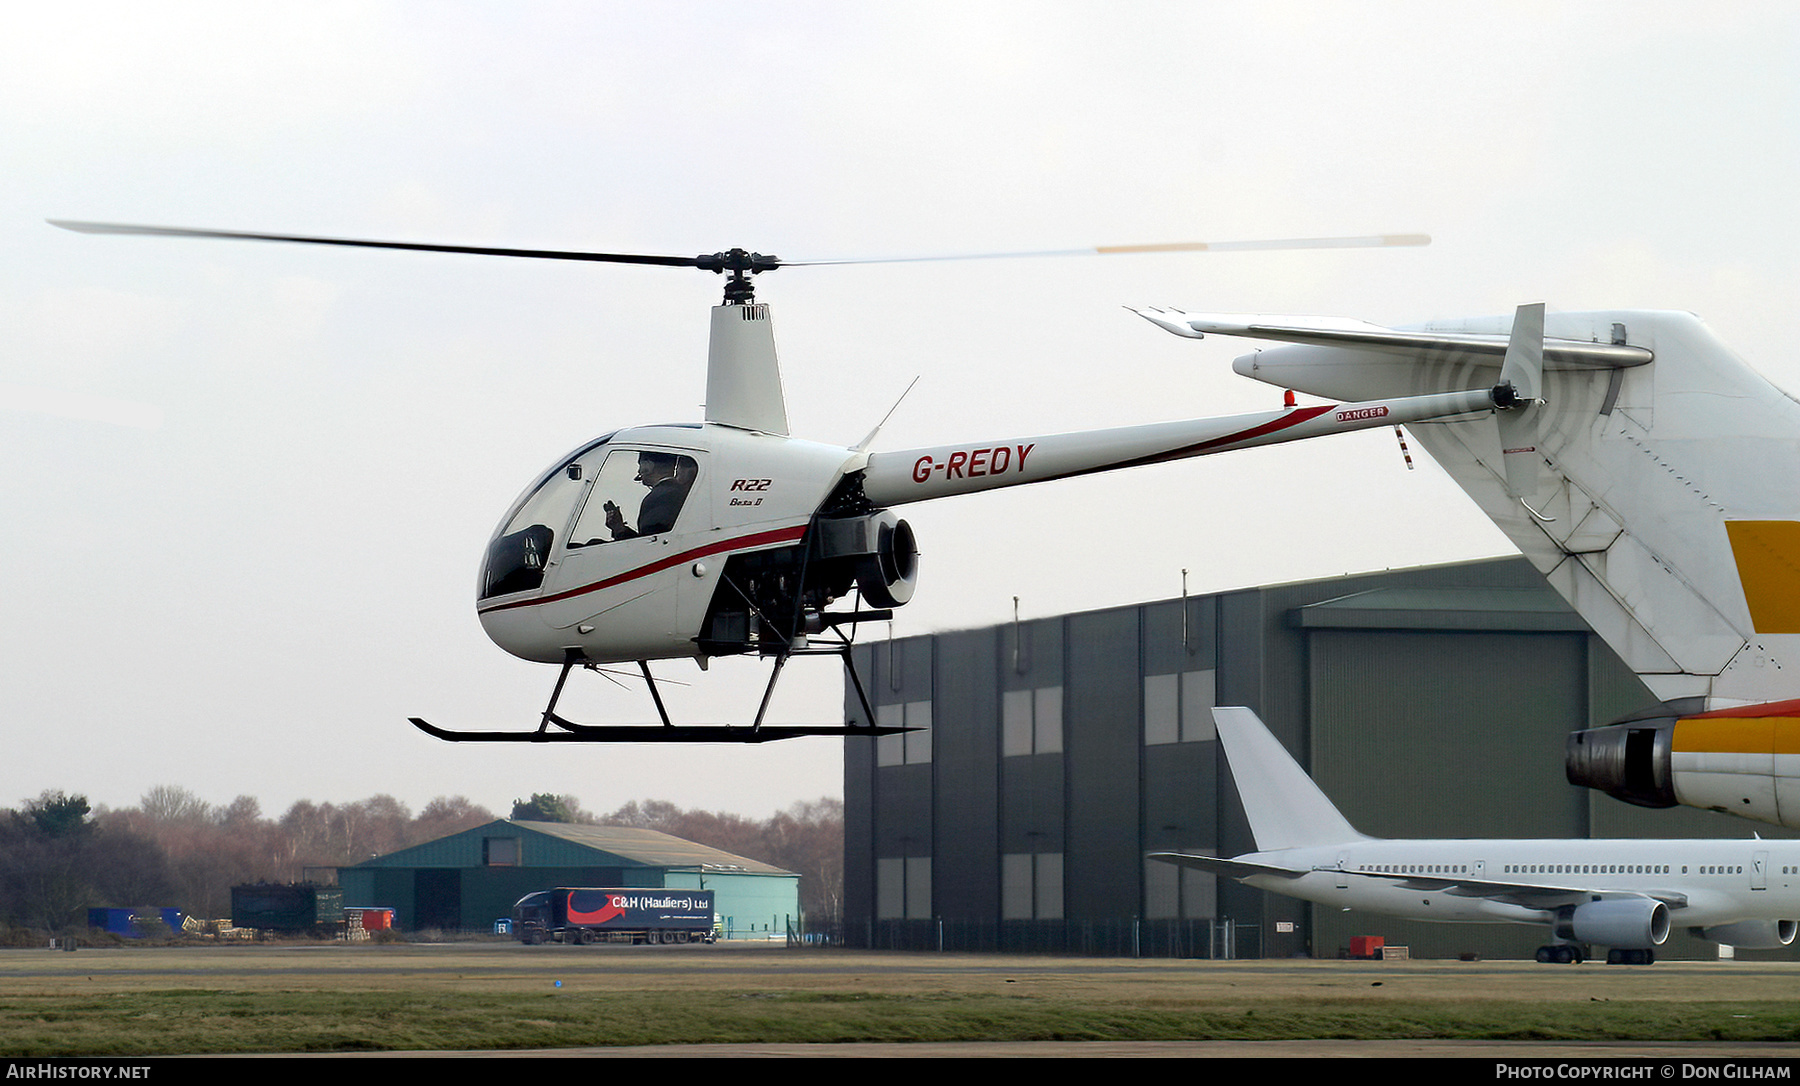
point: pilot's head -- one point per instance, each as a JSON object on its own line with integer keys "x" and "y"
{"x": 653, "y": 468}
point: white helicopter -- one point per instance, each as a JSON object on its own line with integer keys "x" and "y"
{"x": 728, "y": 536}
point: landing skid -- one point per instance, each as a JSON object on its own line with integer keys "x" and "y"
{"x": 653, "y": 733}
{"x": 568, "y": 731}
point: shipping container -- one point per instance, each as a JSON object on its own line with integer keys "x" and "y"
{"x": 287, "y": 907}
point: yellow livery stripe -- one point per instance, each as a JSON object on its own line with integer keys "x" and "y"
{"x": 1737, "y": 735}
{"x": 1768, "y": 564}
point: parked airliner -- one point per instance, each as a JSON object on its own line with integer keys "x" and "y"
{"x": 1622, "y": 894}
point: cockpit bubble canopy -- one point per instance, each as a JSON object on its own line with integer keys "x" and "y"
{"x": 604, "y": 493}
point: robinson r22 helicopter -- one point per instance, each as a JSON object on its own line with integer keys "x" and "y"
{"x": 729, "y": 536}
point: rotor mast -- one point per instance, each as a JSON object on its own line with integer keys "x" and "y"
{"x": 743, "y": 376}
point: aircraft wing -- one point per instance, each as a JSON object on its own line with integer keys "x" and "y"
{"x": 1362, "y": 335}
{"x": 1237, "y": 869}
{"x": 1529, "y": 895}
{"x": 1525, "y": 895}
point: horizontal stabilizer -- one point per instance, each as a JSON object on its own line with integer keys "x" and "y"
{"x": 1236, "y": 869}
{"x": 1362, "y": 335}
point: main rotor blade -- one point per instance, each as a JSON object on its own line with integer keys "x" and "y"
{"x": 1365, "y": 241}
{"x": 360, "y": 243}
{"x": 739, "y": 260}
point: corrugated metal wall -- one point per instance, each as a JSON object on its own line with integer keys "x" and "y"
{"x": 1427, "y": 702}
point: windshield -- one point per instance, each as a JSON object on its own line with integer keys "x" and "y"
{"x": 519, "y": 550}
{"x": 599, "y": 495}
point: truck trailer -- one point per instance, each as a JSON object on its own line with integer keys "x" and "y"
{"x": 570, "y": 914}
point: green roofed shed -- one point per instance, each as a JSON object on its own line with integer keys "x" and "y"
{"x": 468, "y": 880}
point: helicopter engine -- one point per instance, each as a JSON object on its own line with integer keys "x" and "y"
{"x": 769, "y": 601}
{"x": 884, "y": 551}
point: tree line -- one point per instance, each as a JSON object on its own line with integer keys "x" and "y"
{"x": 59, "y": 856}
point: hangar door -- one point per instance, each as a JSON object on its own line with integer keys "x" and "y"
{"x": 437, "y": 898}
{"x": 1424, "y": 733}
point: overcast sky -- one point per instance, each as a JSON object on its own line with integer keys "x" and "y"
{"x": 251, "y": 596}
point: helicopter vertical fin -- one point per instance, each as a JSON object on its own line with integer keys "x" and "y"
{"x": 743, "y": 378}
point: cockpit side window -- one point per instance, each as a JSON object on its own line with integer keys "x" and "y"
{"x": 636, "y": 493}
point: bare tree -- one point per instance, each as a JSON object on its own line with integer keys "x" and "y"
{"x": 175, "y": 848}
{"x": 446, "y": 815}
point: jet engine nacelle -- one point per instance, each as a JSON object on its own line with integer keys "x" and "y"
{"x": 883, "y": 549}
{"x": 1628, "y": 760}
{"x": 1735, "y": 760}
{"x": 1619, "y": 922}
{"x": 1751, "y": 934}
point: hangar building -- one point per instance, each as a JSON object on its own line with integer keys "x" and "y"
{"x": 468, "y": 880}
{"x": 1058, "y": 752}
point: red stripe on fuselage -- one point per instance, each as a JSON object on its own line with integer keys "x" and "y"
{"x": 778, "y": 535}
{"x": 1293, "y": 418}
{"x": 1767, "y": 708}
{"x": 1182, "y": 452}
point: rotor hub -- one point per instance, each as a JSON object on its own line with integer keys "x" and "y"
{"x": 742, "y": 264}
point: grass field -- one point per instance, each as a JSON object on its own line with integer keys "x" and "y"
{"x": 464, "y": 996}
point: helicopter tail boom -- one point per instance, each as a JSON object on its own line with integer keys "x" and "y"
{"x": 893, "y": 478}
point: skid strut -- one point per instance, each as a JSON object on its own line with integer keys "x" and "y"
{"x": 554, "y": 728}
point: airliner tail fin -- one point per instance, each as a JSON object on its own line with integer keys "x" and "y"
{"x": 1286, "y": 809}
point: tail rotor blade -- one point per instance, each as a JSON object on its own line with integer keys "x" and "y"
{"x": 1524, "y": 364}
{"x": 1521, "y": 378}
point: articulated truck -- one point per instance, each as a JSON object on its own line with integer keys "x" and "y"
{"x": 570, "y": 914}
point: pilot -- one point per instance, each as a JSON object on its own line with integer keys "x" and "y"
{"x": 664, "y": 474}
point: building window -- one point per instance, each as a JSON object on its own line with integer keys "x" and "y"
{"x": 1031, "y": 886}
{"x": 903, "y": 888}
{"x": 1178, "y": 707}
{"x": 500, "y": 851}
{"x": 1031, "y": 721}
{"x": 1173, "y": 892}
{"x": 904, "y": 748}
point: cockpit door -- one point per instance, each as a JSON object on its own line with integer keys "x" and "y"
{"x": 618, "y": 566}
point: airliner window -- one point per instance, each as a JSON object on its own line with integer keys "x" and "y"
{"x": 636, "y": 493}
